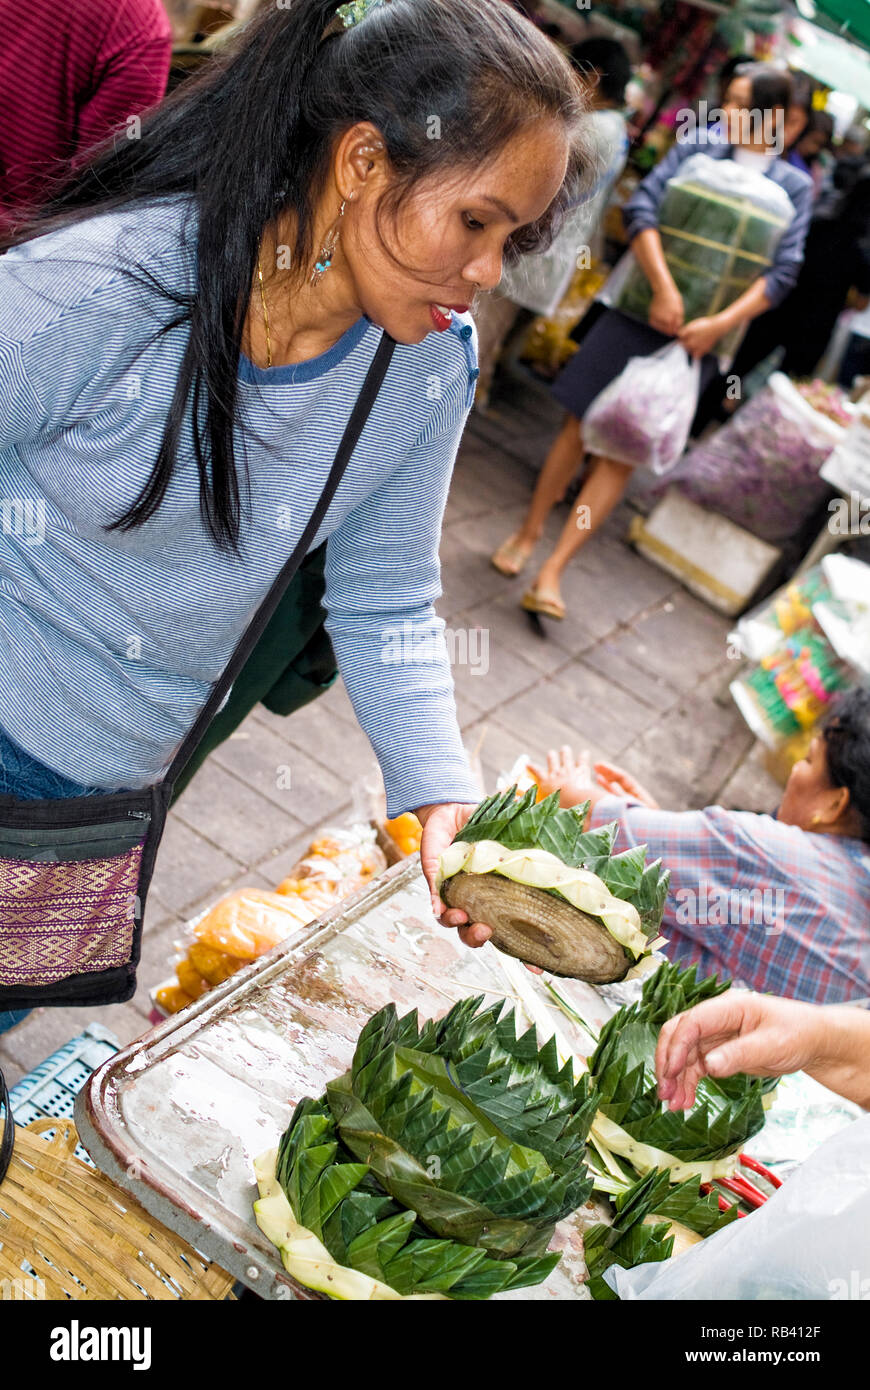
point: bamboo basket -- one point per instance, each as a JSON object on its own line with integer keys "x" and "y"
{"x": 83, "y": 1237}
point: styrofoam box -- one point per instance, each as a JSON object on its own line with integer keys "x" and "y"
{"x": 715, "y": 559}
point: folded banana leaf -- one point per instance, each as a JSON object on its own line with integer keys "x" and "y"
{"x": 726, "y": 1112}
{"x": 442, "y": 1160}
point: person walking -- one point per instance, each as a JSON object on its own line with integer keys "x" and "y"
{"x": 614, "y": 337}
{"x": 184, "y": 331}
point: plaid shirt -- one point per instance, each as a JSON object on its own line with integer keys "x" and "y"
{"x": 777, "y": 909}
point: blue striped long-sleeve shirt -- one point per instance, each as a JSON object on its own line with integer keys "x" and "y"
{"x": 642, "y": 209}
{"x": 110, "y": 640}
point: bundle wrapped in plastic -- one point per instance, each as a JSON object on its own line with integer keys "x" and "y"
{"x": 761, "y": 631}
{"x": 341, "y": 860}
{"x": 547, "y": 344}
{"x": 248, "y": 923}
{"x": 643, "y": 418}
{"x": 720, "y": 224}
{"x": 761, "y": 470}
{"x": 791, "y": 688}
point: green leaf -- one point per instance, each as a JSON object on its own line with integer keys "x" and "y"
{"x": 442, "y": 1159}
{"x": 726, "y": 1112}
{"x": 372, "y": 1251}
{"x": 518, "y": 823}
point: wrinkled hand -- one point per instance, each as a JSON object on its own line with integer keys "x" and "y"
{"x": 440, "y": 826}
{"x": 701, "y": 335}
{"x": 620, "y": 783}
{"x": 739, "y": 1031}
{"x": 666, "y": 310}
{"x": 566, "y": 774}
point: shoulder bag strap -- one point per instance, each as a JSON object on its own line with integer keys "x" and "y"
{"x": 265, "y": 612}
{"x": 8, "y": 1140}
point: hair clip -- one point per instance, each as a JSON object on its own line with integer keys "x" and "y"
{"x": 346, "y": 16}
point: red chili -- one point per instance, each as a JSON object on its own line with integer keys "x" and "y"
{"x": 746, "y": 1192}
{"x": 753, "y": 1164}
{"x": 706, "y": 1189}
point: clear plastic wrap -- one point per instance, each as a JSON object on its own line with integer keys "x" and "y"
{"x": 762, "y": 470}
{"x": 643, "y": 418}
{"x": 809, "y": 1240}
{"x": 247, "y": 923}
{"x": 720, "y": 224}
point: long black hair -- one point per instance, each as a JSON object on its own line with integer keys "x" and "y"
{"x": 252, "y": 136}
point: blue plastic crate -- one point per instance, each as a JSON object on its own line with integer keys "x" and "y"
{"x": 49, "y": 1091}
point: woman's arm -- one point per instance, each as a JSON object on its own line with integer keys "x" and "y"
{"x": 764, "y": 1036}
{"x": 641, "y": 217}
{"x": 382, "y": 580}
{"x": 666, "y": 307}
{"x": 701, "y": 335}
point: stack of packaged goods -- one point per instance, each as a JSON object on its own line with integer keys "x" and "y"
{"x": 720, "y": 225}
{"x": 789, "y": 610}
{"x": 810, "y": 640}
{"x": 248, "y": 923}
{"x": 793, "y": 686}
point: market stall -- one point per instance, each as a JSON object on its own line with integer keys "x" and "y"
{"x": 216, "y": 1166}
{"x": 190, "y": 1110}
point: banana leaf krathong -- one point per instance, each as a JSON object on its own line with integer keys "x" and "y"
{"x": 553, "y": 893}
{"x": 441, "y": 1161}
{"x": 726, "y": 1113}
{"x": 634, "y": 1239}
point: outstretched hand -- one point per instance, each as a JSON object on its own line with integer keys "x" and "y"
{"x": 620, "y": 783}
{"x": 566, "y": 774}
{"x": 737, "y": 1032}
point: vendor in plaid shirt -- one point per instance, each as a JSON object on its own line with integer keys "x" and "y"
{"x": 781, "y": 905}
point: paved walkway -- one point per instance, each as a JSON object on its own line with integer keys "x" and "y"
{"x": 632, "y": 673}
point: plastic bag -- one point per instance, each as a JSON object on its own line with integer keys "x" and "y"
{"x": 539, "y": 281}
{"x": 762, "y": 469}
{"x": 808, "y": 1241}
{"x": 643, "y": 418}
{"x": 249, "y": 922}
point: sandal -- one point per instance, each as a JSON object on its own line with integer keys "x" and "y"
{"x": 534, "y": 602}
{"x": 510, "y": 558}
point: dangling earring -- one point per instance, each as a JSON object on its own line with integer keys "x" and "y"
{"x": 327, "y": 250}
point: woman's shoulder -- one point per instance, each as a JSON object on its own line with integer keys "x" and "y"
{"x": 447, "y": 362}
{"x": 98, "y": 251}
{"x": 796, "y": 183}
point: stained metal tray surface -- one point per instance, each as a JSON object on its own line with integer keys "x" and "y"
{"x": 178, "y": 1117}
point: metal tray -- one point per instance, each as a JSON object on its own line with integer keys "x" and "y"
{"x": 177, "y": 1117}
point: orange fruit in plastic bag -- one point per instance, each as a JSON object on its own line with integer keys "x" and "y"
{"x": 327, "y": 846}
{"x": 190, "y": 979}
{"x": 214, "y": 966}
{"x": 406, "y": 830}
{"x": 316, "y": 893}
{"x": 172, "y": 998}
{"x": 250, "y": 922}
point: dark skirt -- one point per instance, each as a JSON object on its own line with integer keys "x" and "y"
{"x": 604, "y": 352}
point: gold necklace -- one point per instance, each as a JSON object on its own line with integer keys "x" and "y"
{"x": 265, "y": 313}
